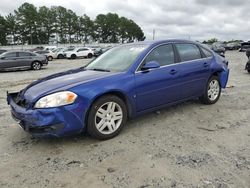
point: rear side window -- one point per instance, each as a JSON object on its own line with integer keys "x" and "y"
{"x": 188, "y": 52}
{"x": 24, "y": 54}
{"x": 11, "y": 54}
{"x": 164, "y": 55}
{"x": 207, "y": 52}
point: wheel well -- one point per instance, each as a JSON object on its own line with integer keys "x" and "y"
{"x": 116, "y": 93}
{"x": 36, "y": 61}
{"x": 216, "y": 73}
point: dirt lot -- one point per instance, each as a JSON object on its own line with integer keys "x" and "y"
{"x": 188, "y": 145}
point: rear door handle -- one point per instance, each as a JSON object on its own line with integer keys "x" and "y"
{"x": 205, "y": 64}
{"x": 173, "y": 71}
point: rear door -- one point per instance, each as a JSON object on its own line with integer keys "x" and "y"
{"x": 80, "y": 52}
{"x": 194, "y": 69}
{"x": 9, "y": 60}
{"x": 159, "y": 86}
{"x": 24, "y": 58}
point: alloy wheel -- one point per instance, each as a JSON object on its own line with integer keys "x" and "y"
{"x": 213, "y": 90}
{"x": 36, "y": 66}
{"x": 108, "y": 118}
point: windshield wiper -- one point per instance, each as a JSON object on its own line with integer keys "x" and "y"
{"x": 98, "y": 69}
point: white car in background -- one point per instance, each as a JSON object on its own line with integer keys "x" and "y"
{"x": 48, "y": 53}
{"x": 79, "y": 52}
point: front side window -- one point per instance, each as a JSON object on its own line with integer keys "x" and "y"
{"x": 188, "y": 52}
{"x": 117, "y": 59}
{"x": 164, "y": 55}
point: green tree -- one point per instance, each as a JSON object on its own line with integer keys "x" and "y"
{"x": 71, "y": 24}
{"x": 3, "y": 31}
{"x": 61, "y": 23}
{"x": 47, "y": 23}
{"x": 85, "y": 29}
{"x": 12, "y": 27}
{"x": 27, "y": 19}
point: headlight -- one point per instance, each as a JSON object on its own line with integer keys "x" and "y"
{"x": 56, "y": 99}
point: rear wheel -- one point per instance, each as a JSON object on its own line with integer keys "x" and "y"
{"x": 107, "y": 117}
{"x": 36, "y": 65}
{"x": 213, "y": 91}
{"x": 73, "y": 56}
{"x": 60, "y": 56}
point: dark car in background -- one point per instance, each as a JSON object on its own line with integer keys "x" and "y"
{"x": 2, "y": 51}
{"x": 22, "y": 60}
{"x": 233, "y": 46}
{"x": 248, "y": 66}
{"x": 101, "y": 51}
{"x": 244, "y": 46}
{"x": 248, "y": 53}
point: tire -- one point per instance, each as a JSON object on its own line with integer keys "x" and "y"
{"x": 212, "y": 95}
{"x": 60, "y": 56}
{"x": 73, "y": 56}
{"x": 101, "y": 123}
{"x": 50, "y": 58}
{"x": 90, "y": 55}
{"x": 248, "y": 71}
{"x": 36, "y": 65}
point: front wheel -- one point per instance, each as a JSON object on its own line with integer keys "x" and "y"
{"x": 50, "y": 58}
{"x": 107, "y": 117}
{"x": 213, "y": 91}
{"x": 90, "y": 55}
{"x": 73, "y": 56}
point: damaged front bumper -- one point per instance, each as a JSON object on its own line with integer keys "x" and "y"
{"x": 59, "y": 121}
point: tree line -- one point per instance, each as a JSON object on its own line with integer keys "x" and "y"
{"x": 32, "y": 25}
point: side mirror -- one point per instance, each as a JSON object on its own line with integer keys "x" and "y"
{"x": 150, "y": 65}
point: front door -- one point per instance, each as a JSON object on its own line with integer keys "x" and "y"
{"x": 158, "y": 86}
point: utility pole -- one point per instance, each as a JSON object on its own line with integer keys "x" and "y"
{"x": 153, "y": 34}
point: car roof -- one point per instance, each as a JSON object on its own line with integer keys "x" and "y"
{"x": 156, "y": 42}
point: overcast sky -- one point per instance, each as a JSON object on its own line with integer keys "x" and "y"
{"x": 194, "y": 19}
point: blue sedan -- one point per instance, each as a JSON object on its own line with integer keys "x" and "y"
{"x": 124, "y": 82}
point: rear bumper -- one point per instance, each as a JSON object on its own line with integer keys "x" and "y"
{"x": 60, "y": 121}
{"x": 45, "y": 62}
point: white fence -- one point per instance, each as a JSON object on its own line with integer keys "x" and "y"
{"x": 26, "y": 47}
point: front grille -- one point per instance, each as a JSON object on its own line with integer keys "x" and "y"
{"x": 23, "y": 103}
{"x": 20, "y": 101}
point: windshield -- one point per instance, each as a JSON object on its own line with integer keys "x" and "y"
{"x": 117, "y": 59}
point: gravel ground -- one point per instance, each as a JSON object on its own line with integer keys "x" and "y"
{"x": 187, "y": 145}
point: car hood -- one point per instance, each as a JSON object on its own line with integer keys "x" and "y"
{"x": 60, "y": 81}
